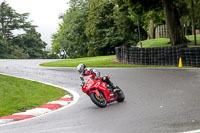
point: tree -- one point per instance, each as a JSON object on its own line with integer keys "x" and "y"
{"x": 193, "y": 21}
{"x": 127, "y": 25}
{"x": 10, "y": 20}
{"x": 71, "y": 34}
{"x": 190, "y": 16}
{"x": 102, "y": 30}
{"x": 3, "y": 48}
{"x": 153, "y": 18}
{"x": 26, "y": 45}
{"x": 56, "y": 45}
{"x": 197, "y": 13}
{"x": 31, "y": 43}
{"x": 172, "y": 16}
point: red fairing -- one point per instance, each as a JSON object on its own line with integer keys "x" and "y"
{"x": 98, "y": 86}
{"x": 95, "y": 91}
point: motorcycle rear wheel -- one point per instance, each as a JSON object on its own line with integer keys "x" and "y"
{"x": 120, "y": 96}
{"x": 100, "y": 101}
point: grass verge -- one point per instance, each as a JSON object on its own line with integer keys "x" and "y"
{"x": 17, "y": 94}
{"x": 99, "y": 61}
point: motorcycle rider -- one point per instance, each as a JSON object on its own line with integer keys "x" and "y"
{"x": 94, "y": 75}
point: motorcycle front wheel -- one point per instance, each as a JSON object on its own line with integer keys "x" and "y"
{"x": 100, "y": 101}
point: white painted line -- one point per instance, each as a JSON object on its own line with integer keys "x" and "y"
{"x": 195, "y": 131}
{"x": 4, "y": 121}
{"x": 63, "y": 103}
{"x": 67, "y": 96}
{"x": 35, "y": 112}
{"x": 75, "y": 96}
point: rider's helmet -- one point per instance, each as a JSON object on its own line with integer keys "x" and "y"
{"x": 81, "y": 68}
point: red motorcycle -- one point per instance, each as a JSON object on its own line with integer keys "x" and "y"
{"x": 101, "y": 93}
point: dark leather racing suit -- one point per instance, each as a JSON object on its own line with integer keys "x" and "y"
{"x": 95, "y": 75}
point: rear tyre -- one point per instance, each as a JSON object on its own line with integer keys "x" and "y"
{"x": 100, "y": 101}
{"x": 120, "y": 95}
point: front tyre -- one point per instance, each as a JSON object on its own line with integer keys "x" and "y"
{"x": 100, "y": 101}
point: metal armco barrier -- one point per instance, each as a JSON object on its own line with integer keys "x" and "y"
{"x": 163, "y": 56}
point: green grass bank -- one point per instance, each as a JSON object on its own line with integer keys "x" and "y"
{"x": 18, "y": 94}
{"x": 99, "y": 61}
{"x": 164, "y": 42}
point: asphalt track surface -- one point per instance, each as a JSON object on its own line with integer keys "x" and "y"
{"x": 157, "y": 101}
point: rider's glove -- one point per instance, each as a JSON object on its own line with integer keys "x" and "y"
{"x": 83, "y": 82}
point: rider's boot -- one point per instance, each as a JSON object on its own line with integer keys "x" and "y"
{"x": 114, "y": 88}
